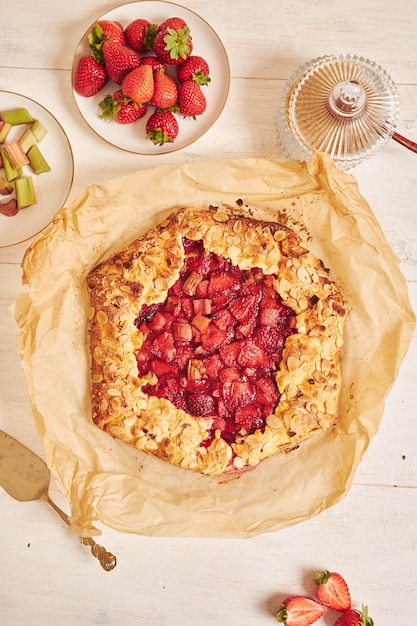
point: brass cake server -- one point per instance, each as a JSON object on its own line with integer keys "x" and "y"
{"x": 25, "y": 477}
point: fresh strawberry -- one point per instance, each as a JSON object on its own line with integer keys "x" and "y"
{"x": 138, "y": 84}
{"x": 212, "y": 338}
{"x": 252, "y": 354}
{"x": 163, "y": 347}
{"x": 89, "y": 76}
{"x": 300, "y": 611}
{"x": 140, "y": 35}
{"x": 352, "y": 617}
{"x": 154, "y": 62}
{"x": 165, "y": 93}
{"x": 105, "y": 30}
{"x": 332, "y": 590}
{"x": 119, "y": 61}
{"x": 194, "y": 68}
{"x": 200, "y": 404}
{"x": 162, "y": 127}
{"x": 121, "y": 109}
{"x": 249, "y": 417}
{"x": 191, "y": 100}
{"x": 173, "y": 46}
{"x": 237, "y": 393}
{"x": 172, "y": 22}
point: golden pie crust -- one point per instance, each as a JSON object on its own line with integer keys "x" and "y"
{"x": 308, "y": 377}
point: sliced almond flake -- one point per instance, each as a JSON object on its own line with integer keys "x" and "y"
{"x": 220, "y": 217}
{"x": 273, "y": 421}
{"x": 114, "y": 392}
{"x": 102, "y": 317}
{"x": 161, "y": 284}
{"x": 280, "y": 235}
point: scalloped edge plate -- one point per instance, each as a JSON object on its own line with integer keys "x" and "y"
{"x": 51, "y": 188}
{"x": 132, "y": 137}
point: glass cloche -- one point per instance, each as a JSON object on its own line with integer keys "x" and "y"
{"x": 343, "y": 105}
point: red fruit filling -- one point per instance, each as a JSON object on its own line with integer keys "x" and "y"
{"x": 215, "y": 342}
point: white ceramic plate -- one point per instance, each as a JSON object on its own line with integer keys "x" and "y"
{"x": 51, "y": 188}
{"x": 206, "y": 43}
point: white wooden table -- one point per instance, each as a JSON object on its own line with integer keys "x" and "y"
{"x": 46, "y": 576}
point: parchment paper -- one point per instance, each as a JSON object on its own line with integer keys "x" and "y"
{"x": 107, "y": 481}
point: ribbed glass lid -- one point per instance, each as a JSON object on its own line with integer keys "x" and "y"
{"x": 343, "y": 105}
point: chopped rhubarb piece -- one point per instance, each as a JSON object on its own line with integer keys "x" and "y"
{"x": 202, "y": 305}
{"x": 201, "y": 322}
{"x": 191, "y": 283}
{"x": 195, "y": 369}
{"x": 182, "y": 331}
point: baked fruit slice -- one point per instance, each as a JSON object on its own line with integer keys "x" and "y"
{"x": 215, "y": 341}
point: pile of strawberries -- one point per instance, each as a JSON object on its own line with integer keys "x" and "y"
{"x": 215, "y": 342}
{"x": 137, "y": 59}
{"x": 333, "y": 593}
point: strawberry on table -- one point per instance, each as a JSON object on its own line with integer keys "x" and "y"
{"x": 299, "y": 611}
{"x": 332, "y": 590}
{"x": 194, "y": 68}
{"x": 165, "y": 93}
{"x": 173, "y": 46}
{"x": 119, "y": 60}
{"x": 138, "y": 85}
{"x": 353, "y": 617}
{"x": 191, "y": 100}
{"x": 140, "y": 35}
{"x": 162, "y": 127}
{"x": 89, "y": 76}
{"x": 121, "y": 109}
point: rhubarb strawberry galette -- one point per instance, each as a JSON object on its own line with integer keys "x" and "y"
{"x": 215, "y": 341}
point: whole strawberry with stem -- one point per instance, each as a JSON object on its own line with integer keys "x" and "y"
{"x": 353, "y": 617}
{"x": 299, "y": 611}
{"x": 162, "y": 127}
{"x": 191, "y": 100}
{"x": 165, "y": 93}
{"x": 194, "y": 68}
{"x": 119, "y": 60}
{"x": 140, "y": 34}
{"x": 138, "y": 85}
{"x": 172, "y": 22}
{"x": 121, "y": 109}
{"x": 173, "y": 46}
{"x": 101, "y": 31}
{"x": 332, "y": 590}
{"x": 90, "y": 76}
